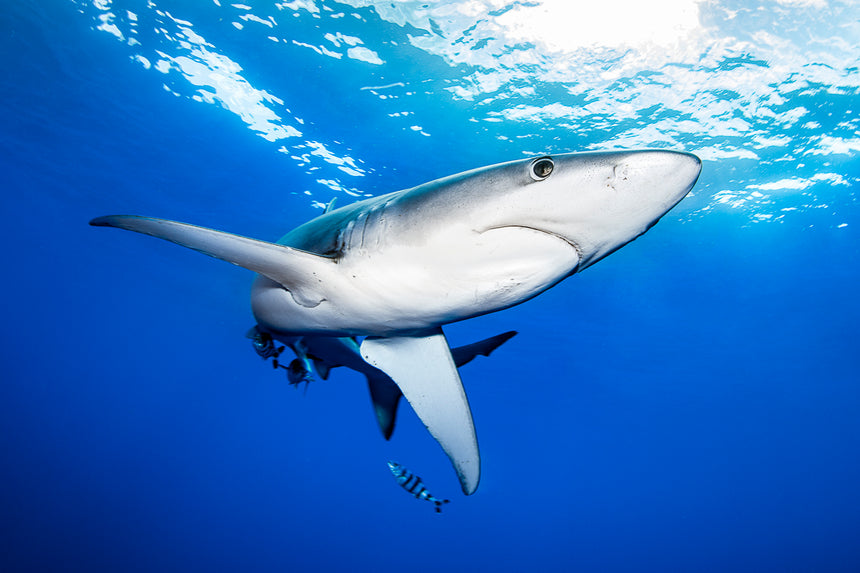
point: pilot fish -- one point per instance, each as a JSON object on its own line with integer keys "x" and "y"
{"x": 413, "y": 484}
{"x": 264, "y": 344}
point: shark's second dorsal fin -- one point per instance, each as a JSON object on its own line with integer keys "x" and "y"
{"x": 298, "y": 271}
{"x": 423, "y": 369}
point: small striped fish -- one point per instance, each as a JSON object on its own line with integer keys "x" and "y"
{"x": 264, "y": 345}
{"x": 413, "y": 484}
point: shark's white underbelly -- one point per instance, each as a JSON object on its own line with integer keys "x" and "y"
{"x": 405, "y": 288}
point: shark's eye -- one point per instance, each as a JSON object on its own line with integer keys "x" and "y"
{"x": 541, "y": 168}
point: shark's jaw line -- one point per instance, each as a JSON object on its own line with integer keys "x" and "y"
{"x": 397, "y": 268}
{"x": 562, "y": 238}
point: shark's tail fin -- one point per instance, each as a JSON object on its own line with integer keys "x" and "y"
{"x": 423, "y": 369}
{"x": 385, "y": 396}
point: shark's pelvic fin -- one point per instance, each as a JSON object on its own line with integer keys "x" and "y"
{"x": 298, "y": 271}
{"x": 322, "y": 367}
{"x": 423, "y": 369}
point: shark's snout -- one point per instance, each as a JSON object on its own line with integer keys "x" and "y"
{"x": 675, "y": 171}
{"x": 688, "y": 167}
{"x": 654, "y": 181}
{"x": 606, "y": 200}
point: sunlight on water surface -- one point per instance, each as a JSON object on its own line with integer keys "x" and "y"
{"x": 728, "y": 80}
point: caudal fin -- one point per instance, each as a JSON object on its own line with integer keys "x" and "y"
{"x": 385, "y": 396}
{"x": 423, "y": 369}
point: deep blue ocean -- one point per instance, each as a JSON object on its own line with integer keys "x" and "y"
{"x": 691, "y": 403}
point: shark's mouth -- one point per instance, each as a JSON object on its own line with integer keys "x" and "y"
{"x": 557, "y": 236}
{"x": 543, "y": 232}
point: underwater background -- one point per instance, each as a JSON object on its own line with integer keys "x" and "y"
{"x": 692, "y": 403}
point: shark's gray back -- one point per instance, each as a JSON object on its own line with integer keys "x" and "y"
{"x": 400, "y": 217}
{"x": 324, "y": 235}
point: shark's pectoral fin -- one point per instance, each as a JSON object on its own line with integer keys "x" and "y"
{"x": 385, "y": 396}
{"x": 423, "y": 369}
{"x": 465, "y": 354}
{"x": 299, "y": 272}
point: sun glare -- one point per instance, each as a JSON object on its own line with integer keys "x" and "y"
{"x": 563, "y": 25}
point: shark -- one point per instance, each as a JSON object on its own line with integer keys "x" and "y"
{"x": 394, "y": 269}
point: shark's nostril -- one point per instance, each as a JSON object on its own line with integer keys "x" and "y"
{"x": 619, "y": 174}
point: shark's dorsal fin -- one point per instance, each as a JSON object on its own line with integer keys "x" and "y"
{"x": 297, "y": 271}
{"x": 330, "y": 206}
{"x": 423, "y": 369}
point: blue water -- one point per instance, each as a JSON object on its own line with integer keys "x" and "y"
{"x": 691, "y": 403}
